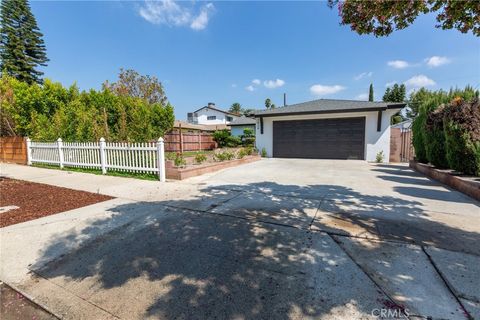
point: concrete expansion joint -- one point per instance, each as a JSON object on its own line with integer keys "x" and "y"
{"x": 447, "y": 283}
{"x": 36, "y": 275}
{"x": 366, "y": 273}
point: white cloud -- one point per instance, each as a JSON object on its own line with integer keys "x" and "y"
{"x": 363, "y": 75}
{"x": 169, "y": 13}
{"x": 250, "y": 88}
{"x": 391, "y": 83}
{"x": 256, "y": 81}
{"x": 419, "y": 81}
{"x": 362, "y": 96}
{"x": 436, "y": 61}
{"x": 398, "y": 64}
{"x": 272, "y": 84}
{"x": 201, "y": 21}
{"x": 321, "y": 90}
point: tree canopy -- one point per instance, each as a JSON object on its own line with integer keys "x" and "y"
{"x": 236, "y": 108}
{"x": 370, "y": 93}
{"x": 397, "y": 93}
{"x": 22, "y": 49}
{"x": 132, "y": 84}
{"x": 382, "y": 17}
{"x": 49, "y": 111}
{"x": 269, "y": 104}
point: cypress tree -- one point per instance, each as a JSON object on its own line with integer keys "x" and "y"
{"x": 370, "y": 93}
{"x": 22, "y": 48}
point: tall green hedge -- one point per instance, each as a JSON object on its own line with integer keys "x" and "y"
{"x": 446, "y": 131}
{"x": 49, "y": 111}
{"x": 462, "y": 136}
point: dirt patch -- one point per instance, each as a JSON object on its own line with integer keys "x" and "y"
{"x": 15, "y": 306}
{"x": 24, "y": 201}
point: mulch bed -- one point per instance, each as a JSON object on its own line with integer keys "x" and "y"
{"x": 15, "y": 306}
{"x": 36, "y": 200}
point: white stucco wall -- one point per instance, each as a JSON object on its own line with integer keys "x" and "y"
{"x": 202, "y": 117}
{"x": 374, "y": 141}
{"x": 238, "y": 130}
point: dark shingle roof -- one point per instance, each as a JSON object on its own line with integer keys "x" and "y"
{"x": 242, "y": 121}
{"x": 329, "y": 106}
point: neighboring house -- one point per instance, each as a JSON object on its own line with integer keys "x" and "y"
{"x": 239, "y": 124}
{"x": 327, "y": 129}
{"x": 211, "y": 115}
{"x": 405, "y": 125}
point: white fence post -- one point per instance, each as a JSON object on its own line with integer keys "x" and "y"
{"x": 161, "y": 159}
{"x": 29, "y": 151}
{"x": 60, "y": 152}
{"x": 103, "y": 156}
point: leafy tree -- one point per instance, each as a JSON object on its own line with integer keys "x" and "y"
{"x": 268, "y": 103}
{"x": 382, "y": 17}
{"x": 395, "y": 94}
{"x": 22, "y": 49}
{"x": 236, "y": 108}
{"x": 131, "y": 83}
{"x": 370, "y": 93}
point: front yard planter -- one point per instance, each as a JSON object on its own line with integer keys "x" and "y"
{"x": 467, "y": 185}
{"x": 189, "y": 171}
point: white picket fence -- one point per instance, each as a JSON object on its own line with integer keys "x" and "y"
{"x": 119, "y": 156}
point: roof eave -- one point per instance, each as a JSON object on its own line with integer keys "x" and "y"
{"x": 279, "y": 114}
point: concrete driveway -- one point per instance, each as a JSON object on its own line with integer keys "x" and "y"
{"x": 278, "y": 238}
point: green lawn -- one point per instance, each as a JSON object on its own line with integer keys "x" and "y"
{"x": 137, "y": 175}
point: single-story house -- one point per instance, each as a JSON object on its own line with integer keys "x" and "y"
{"x": 211, "y": 115}
{"x": 327, "y": 129}
{"x": 239, "y": 124}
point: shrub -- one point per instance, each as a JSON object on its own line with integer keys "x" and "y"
{"x": 462, "y": 136}
{"x": 379, "y": 157}
{"x": 435, "y": 138}
{"x": 248, "y": 137}
{"x": 249, "y": 150}
{"x": 221, "y": 137}
{"x": 200, "y": 158}
{"x": 418, "y": 140}
{"x": 179, "y": 160}
{"x": 264, "y": 153}
{"x": 242, "y": 153}
{"x": 233, "y": 141}
{"x": 223, "y": 156}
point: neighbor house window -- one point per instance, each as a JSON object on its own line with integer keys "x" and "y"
{"x": 229, "y": 118}
{"x": 212, "y": 118}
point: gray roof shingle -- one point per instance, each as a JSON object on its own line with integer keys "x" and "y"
{"x": 329, "y": 105}
{"x": 242, "y": 121}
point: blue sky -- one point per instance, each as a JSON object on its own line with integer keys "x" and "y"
{"x": 245, "y": 52}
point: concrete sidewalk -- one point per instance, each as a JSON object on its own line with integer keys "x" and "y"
{"x": 119, "y": 187}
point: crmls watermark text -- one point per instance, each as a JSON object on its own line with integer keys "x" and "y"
{"x": 387, "y": 313}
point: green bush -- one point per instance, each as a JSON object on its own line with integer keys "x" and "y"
{"x": 200, "y": 158}
{"x": 224, "y": 156}
{"x": 264, "y": 153}
{"x": 379, "y": 157}
{"x": 179, "y": 160}
{"x": 221, "y": 137}
{"x": 462, "y": 136}
{"x": 435, "y": 138}
{"x": 233, "y": 141}
{"x": 248, "y": 137}
{"x": 418, "y": 140}
{"x": 242, "y": 153}
{"x": 50, "y": 111}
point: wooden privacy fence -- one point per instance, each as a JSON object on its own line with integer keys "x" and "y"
{"x": 178, "y": 141}
{"x": 13, "y": 149}
{"x": 401, "y": 147}
{"x": 146, "y": 157}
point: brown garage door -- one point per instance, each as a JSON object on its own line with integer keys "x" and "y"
{"x": 319, "y": 138}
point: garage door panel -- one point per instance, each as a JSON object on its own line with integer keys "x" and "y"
{"x": 342, "y": 138}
